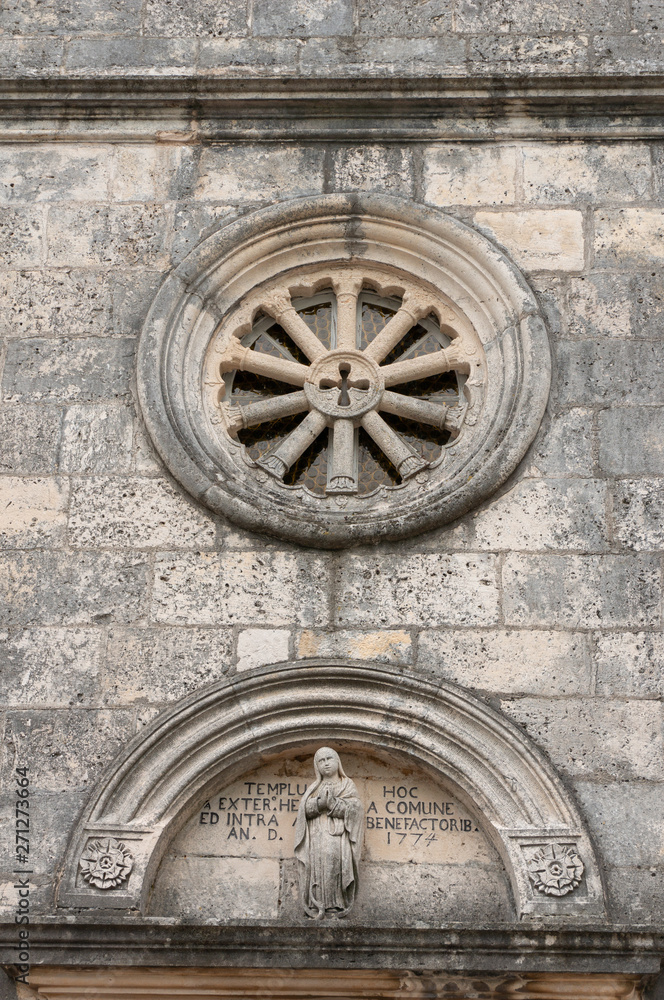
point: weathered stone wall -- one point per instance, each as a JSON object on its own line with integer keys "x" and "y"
{"x": 119, "y": 595}
{"x": 331, "y": 37}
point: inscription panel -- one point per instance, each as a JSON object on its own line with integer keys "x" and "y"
{"x": 408, "y": 817}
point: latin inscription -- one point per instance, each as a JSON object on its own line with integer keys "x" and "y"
{"x": 265, "y": 809}
{"x": 407, "y": 817}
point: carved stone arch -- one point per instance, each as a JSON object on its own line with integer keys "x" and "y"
{"x": 227, "y": 729}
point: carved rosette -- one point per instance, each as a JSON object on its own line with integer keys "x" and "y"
{"x": 106, "y": 863}
{"x": 555, "y": 870}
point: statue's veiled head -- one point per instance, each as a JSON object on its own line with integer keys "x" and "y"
{"x": 327, "y": 764}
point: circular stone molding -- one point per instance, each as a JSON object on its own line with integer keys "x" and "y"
{"x": 451, "y": 307}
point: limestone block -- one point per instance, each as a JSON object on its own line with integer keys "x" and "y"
{"x": 30, "y": 57}
{"x": 21, "y": 236}
{"x": 646, "y": 15}
{"x": 631, "y": 441}
{"x": 96, "y": 439}
{"x": 206, "y": 18}
{"x": 50, "y": 815}
{"x": 591, "y": 372}
{"x": 496, "y": 54}
{"x": 637, "y": 894}
{"x": 470, "y": 174}
{"x": 234, "y": 174}
{"x": 609, "y": 740}
{"x": 218, "y": 889}
{"x": 127, "y": 56}
{"x": 136, "y": 512}
{"x": 630, "y": 664}
{"x": 373, "y": 168}
{"x": 46, "y": 303}
{"x": 91, "y": 235}
{"x": 638, "y": 507}
{"x": 52, "y": 173}
{"x": 628, "y": 53}
{"x": 368, "y": 56}
{"x": 8, "y": 988}
{"x": 151, "y": 173}
{"x": 627, "y": 818}
{"x": 543, "y": 16}
{"x": 406, "y": 19}
{"x": 508, "y": 660}
{"x": 632, "y": 236}
{"x": 146, "y": 460}
{"x": 194, "y": 221}
{"x": 66, "y": 749}
{"x": 551, "y": 293}
{"x": 585, "y": 172}
{"x": 385, "y": 646}
{"x": 251, "y": 588}
{"x": 564, "y": 446}
{"x": 80, "y": 588}
{"x": 132, "y": 292}
{"x": 87, "y": 369}
{"x": 33, "y": 512}
{"x": 432, "y": 894}
{"x": 544, "y": 514}
{"x": 538, "y": 239}
{"x": 648, "y": 305}
{"x": 77, "y": 17}
{"x": 41, "y": 902}
{"x": 234, "y": 57}
{"x": 259, "y": 646}
{"x": 73, "y": 657}
{"x": 30, "y": 436}
{"x": 600, "y": 305}
{"x": 420, "y": 589}
{"x": 581, "y": 591}
{"x": 295, "y": 18}
{"x": 159, "y": 665}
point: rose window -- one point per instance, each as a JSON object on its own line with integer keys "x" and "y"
{"x": 343, "y": 368}
{"x": 350, "y": 389}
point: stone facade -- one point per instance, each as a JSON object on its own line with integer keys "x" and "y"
{"x": 133, "y": 132}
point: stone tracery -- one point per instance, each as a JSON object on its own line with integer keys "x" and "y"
{"x": 347, "y": 385}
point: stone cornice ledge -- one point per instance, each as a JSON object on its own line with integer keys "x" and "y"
{"x": 199, "y": 107}
{"x": 154, "y": 942}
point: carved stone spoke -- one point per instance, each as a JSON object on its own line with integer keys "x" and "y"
{"x": 243, "y": 359}
{"x": 343, "y": 387}
{"x": 278, "y": 305}
{"x": 404, "y": 458}
{"x": 413, "y": 309}
{"x": 411, "y": 408}
{"x": 279, "y": 461}
{"x": 457, "y": 357}
{"x": 342, "y": 474}
{"x": 347, "y": 290}
{"x": 252, "y": 414}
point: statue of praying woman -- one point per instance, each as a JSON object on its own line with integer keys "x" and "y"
{"x": 328, "y": 839}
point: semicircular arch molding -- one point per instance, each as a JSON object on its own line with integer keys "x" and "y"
{"x": 231, "y": 727}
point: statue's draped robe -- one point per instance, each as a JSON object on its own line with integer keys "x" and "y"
{"x": 329, "y": 850}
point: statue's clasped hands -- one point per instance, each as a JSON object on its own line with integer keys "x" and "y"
{"x": 326, "y": 802}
